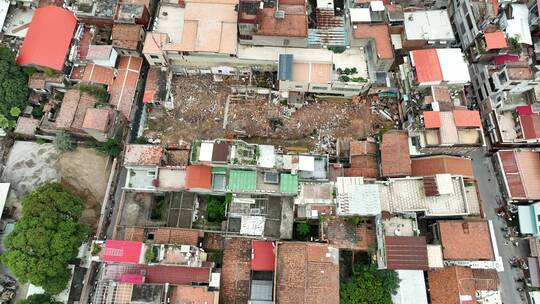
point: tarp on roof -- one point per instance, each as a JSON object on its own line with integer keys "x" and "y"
{"x": 48, "y": 39}
{"x": 285, "y": 67}
{"x": 243, "y": 180}
{"x": 288, "y": 183}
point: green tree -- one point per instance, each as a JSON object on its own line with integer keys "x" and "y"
{"x": 215, "y": 208}
{"x": 46, "y": 238}
{"x": 369, "y": 286}
{"x": 13, "y": 85}
{"x": 302, "y": 229}
{"x": 514, "y": 47}
{"x": 42, "y": 298}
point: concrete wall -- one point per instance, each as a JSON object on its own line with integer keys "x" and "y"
{"x": 280, "y": 41}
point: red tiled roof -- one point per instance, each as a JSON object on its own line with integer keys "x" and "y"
{"x": 263, "y": 256}
{"x": 380, "y": 35}
{"x": 178, "y": 236}
{"x": 465, "y": 240}
{"x": 198, "y": 176}
{"x": 236, "y": 271}
{"x": 97, "y": 119}
{"x": 522, "y": 172}
{"x": 466, "y": 118}
{"x": 431, "y": 165}
{"x": 530, "y": 124}
{"x": 125, "y": 84}
{"x": 48, "y": 39}
{"x": 495, "y": 40}
{"x": 395, "y": 158}
{"x": 160, "y": 274}
{"x": 122, "y": 251}
{"x": 406, "y": 252}
{"x": 428, "y": 67}
{"x": 432, "y": 119}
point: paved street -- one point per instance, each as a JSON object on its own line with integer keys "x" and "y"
{"x": 489, "y": 189}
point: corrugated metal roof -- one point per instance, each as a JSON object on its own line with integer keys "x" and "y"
{"x": 285, "y": 67}
{"x": 288, "y": 183}
{"x": 242, "y": 180}
{"x": 406, "y": 252}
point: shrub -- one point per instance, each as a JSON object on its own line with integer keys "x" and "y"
{"x": 302, "y": 229}
{"x": 215, "y": 208}
{"x": 64, "y": 142}
{"x": 98, "y": 91}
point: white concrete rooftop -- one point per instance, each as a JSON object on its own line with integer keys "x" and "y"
{"x": 170, "y": 20}
{"x": 408, "y": 194}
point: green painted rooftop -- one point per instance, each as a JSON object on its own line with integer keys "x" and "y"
{"x": 242, "y": 180}
{"x": 288, "y": 183}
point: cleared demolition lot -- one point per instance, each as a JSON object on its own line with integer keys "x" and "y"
{"x": 207, "y": 109}
{"x": 83, "y": 171}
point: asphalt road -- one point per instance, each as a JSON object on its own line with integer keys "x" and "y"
{"x": 490, "y": 191}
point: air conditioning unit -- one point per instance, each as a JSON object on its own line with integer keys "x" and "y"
{"x": 279, "y": 14}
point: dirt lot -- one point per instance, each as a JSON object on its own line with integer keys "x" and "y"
{"x": 201, "y": 105}
{"x": 83, "y": 171}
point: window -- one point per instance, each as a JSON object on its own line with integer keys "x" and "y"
{"x": 318, "y": 88}
{"x": 154, "y": 56}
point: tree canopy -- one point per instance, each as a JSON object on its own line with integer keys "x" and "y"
{"x": 46, "y": 238}
{"x": 369, "y": 286}
{"x": 41, "y": 298}
{"x": 13, "y": 88}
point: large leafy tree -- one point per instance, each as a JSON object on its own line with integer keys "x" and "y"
{"x": 369, "y": 286}
{"x": 46, "y": 238}
{"x": 39, "y": 299}
{"x": 13, "y": 88}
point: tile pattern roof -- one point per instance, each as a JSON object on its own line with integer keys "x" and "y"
{"x": 447, "y": 284}
{"x": 428, "y": 67}
{"x": 495, "y": 40}
{"x": 236, "y": 271}
{"x": 48, "y": 38}
{"x": 94, "y": 73}
{"x": 26, "y": 126}
{"x": 97, "y": 119}
{"x": 465, "y": 240}
{"x": 395, "y": 159}
{"x": 125, "y": 84}
{"x": 134, "y": 234}
{"x": 143, "y": 155}
{"x": 198, "y": 177}
{"x": 126, "y": 36}
{"x": 363, "y": 159}
{"x": 194, "y": 295}
{"x": 178, "y": 236}
{"x": 73, "y": 110}
{"x": 293, "y": 25}
{"x": 467, "y": 118}
{"x": 307, "y": 273}
{"x": 432, "y": 119}
{"x": 406, "y": 252}
{"x": 38, "y": 80}
{"x": 159, "y": 274}
{"x": 380, "y": 34}
{"x": 522, "y": 172}
{"x": 530, "y": 124}
{"x": 438, "y": 164}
